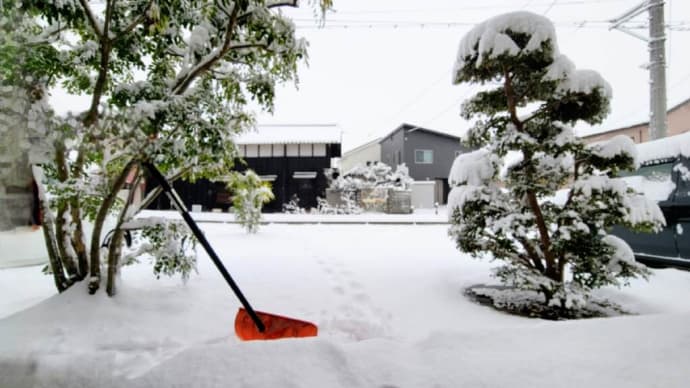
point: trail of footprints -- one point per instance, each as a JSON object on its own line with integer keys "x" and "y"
{"x": 356, "y": 316}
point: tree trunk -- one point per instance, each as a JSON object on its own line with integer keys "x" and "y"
{"x": 61, "y": 235}
{"x": 63, "y": 242}
{"x": 78, "y": 240}
{"x": 114, "y": 252}
{"x": 61, "y": 282}
{"x": 95, "y": 254}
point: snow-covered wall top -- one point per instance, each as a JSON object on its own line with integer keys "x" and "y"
{"x": 292, "y": 134}
{"x": 488, "y": 39}
{"x": 667, "y": 147}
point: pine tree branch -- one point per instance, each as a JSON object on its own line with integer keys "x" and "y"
{"x": 551, "y": 271}
{"x": 532, "y": 253}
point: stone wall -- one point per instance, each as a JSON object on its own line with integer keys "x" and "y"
{"x": 399, "y": 202}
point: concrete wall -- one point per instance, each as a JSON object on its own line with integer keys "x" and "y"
{"x": 15, "y": 179}
{"x": 423, "y": 194}
{"x": 370, "y": 152}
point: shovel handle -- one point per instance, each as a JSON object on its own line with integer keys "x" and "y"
{"x": 182, "y": 209}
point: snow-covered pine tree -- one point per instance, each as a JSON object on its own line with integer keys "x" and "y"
{"x": 531, "y": 96}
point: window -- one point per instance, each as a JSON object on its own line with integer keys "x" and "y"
{"x": 252, "y": 151}
{"x": 265, "y": 150}
{"x": 305, "y": 150}
{"x": 423, "y": 156}
{"x": 319, "y": 150}
{"x": 292, "y": 150}
{"x": 278, "y": 150}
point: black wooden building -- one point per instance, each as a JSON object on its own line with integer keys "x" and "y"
{"x": 293, "y": 158}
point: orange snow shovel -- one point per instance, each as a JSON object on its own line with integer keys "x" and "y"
{"x": 249, "y": 324}
{"x": 276, "y": 327}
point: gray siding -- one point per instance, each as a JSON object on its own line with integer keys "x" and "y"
{"x": 390, "y": 146}
{"x": 443, "y": 147}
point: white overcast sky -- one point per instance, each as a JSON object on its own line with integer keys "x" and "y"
{"x": 379, "y": 63}
{"x": 369, "y": 76}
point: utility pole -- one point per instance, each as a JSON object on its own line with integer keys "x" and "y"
{"x": 657, "y": 60}
{"x": 657, "y": 70}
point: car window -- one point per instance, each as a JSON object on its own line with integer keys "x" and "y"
{"x": 655, "y": 181}
{"x": 655, "y": 171}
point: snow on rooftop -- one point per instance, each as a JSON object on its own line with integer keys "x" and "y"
{"x": 639, "y": 115}
{"x": 667, "y": 147}
{"x": 292, "y": 134}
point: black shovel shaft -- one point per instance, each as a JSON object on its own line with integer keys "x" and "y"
{"x": 202, "y": 239}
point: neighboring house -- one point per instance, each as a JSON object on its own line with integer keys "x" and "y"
{"x": 428, "y": 155}
{"x": 293, "y": 158}
{"x": 366, "y": 153}
{"x": 678, "y": 122}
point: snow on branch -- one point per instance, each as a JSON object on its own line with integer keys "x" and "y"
{"x": 474, "y": 168}
{"x": 585, "y": 81}
{"x": 95, "y": 24}
{"x": 620, "y": 145}
{"x": 489, "y": 39}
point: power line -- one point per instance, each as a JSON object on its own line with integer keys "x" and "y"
{"x": 469, "y": 7}
{"x": 417, "y": 97}
{"x": 679, "y": 26}
{"x": 550, "y": 7}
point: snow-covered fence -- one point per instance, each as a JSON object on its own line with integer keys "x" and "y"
{"x": 372, "y": 187}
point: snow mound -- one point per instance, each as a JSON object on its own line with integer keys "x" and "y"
{"x": 585, "y": 81}
{"x": 473, "y": 168}
{"x": 489, "y": 39}
{"x": 617, "y": 145}
{"x": 667, "y": 147}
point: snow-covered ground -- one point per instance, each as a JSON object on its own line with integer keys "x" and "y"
{"x": 388, "y": 302}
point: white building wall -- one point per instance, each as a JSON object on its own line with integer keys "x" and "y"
{"x": 360, "y": 156}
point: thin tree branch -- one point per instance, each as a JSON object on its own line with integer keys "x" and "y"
{"x": 182, "y": 84}
{"x": 153, "y": 194}
{"x": 91, "y": 18}
{"x": 136, "y": 21}
{"x": 292, "y": 3}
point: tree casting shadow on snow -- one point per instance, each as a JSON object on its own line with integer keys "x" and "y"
{"x": 531, "y": 304}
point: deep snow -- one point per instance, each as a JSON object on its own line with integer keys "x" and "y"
{"x": 388, "y": 301}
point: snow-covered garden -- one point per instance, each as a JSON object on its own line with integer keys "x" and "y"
{"x": 389, "y": 303}
{"x": 172, "y": 85}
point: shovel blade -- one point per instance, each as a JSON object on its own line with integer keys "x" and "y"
{"x": 277, "y": 327}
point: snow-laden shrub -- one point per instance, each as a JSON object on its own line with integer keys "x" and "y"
{"x": 292, "y": 206}
{"x": 168, "y": 243}
{"x": 374, "y": 175}
{"x": 348, "y": 205}
{"x": 559, "y": 249}
{"x": 249, "y": 194}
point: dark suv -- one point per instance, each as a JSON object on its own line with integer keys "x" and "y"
{"x": 666, "y": 180}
